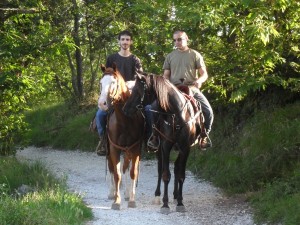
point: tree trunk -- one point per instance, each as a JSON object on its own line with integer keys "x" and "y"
{"x": 78, "y": 58}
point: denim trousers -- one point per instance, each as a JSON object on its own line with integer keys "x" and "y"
{"x": 206, "y": 109}
{"x": 101, "y": 120}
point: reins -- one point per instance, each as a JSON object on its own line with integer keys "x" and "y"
{"x": 177, "y": 127}
{"x": 126, "y": 148}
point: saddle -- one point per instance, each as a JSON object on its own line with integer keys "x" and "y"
{"x": 187, "y": 94}
{"x": 196, "y": 106}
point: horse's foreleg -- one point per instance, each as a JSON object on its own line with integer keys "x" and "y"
{"x": 166, "y": 176}
{"x": 176, "y": 183}
{"x": 180, "y": 207}
{"x": 112, "y": 187}
{"x": 156, "y": 200}
{"x": 117, "y": 177}
{"x": 125, "y": 180}
{"x": 181, "y": 177}
{"x": 126, "y": 184}
{"x": 134, "y": 176}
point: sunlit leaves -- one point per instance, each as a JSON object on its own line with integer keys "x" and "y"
{"x": 247, "y": 45}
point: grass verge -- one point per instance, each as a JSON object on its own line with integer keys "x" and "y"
{"x": 260, "y": 159}
{"x": 45, "y": 202}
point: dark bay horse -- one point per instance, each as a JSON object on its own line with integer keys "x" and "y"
{"x": 177, "y": 123}
{"x": 124, "y": 135}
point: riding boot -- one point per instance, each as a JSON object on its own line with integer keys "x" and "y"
{"x": 205, "y": 141}
{"x": 153, "y": 142}
{"x": 100, "y": 150}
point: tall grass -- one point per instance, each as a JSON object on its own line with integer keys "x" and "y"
{"x": 62, "y": 126}
{"x": 261, "y": 158}
{"x": 47, "y": 203}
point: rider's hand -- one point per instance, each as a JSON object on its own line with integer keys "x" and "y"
{"x": 197, "y": 84}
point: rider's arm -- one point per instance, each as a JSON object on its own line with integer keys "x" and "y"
{"x": 202, "y": 77}
{"x": 167, "y": 74}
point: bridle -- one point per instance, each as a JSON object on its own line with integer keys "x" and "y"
{"x": 140, "y": 107}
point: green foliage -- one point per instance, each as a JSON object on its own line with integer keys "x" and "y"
{"x": 265, "y": 148}
{"x": 247, "y": 45}
{"x": 24, "y": 76}
{"x": 279, "y": 202}
{"x": 61, "y": 126}
{"x": 260, "y": 156}
{"x": 13, "y": 91}
{"x": 50, "y": 203}
{"x": 14, "y": 174}
{"x": 46, "y": 207}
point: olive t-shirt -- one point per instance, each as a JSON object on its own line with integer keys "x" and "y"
{"x": 183, "y": 65}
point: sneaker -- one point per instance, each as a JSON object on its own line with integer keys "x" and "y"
{"x": 100, "y": 149}
{"x": 153, "y": 142}
{"x": 205, "y": 143}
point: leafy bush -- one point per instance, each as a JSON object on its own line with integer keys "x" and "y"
{"x": 47, "y": 203}
{"x": 260, "y": 158}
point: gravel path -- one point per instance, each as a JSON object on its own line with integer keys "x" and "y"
{"x": 86, "y": 173}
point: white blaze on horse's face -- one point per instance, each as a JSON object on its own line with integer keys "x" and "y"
{"x": 105, "y": 84}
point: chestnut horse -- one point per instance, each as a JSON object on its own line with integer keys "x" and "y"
{"x": 177, "y": 124}
{"x": 124, "y": 134}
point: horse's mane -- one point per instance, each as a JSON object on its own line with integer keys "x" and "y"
{"x": 121, "y": 93}
{"x": 161, "y": 87}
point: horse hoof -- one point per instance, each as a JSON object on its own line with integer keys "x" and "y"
{"x": 165, "y": 210}
{"x": 131, "y": 204}
{"x": 116, "y": 206}
{"x": 180, "y": 208}
{"x": 156, "y": 201}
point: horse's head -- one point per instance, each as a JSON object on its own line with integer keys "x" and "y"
{"x": 139, "y": 95}
{"x": 113, "y": 87}
{"x": 108, "y": 79}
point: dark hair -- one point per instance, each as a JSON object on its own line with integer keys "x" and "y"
{"x": 125, "y": 32}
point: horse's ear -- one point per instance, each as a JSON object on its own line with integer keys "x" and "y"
{"x": 103, "y": 68}
{"x": 138, "y": 76}
{"x": 114, "y": 66}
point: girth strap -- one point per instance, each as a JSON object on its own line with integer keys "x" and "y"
{"x": 126, "y": 148}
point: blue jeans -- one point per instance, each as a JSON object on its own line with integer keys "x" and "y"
{"x": 206, "y": 109}
{"x": 101, "y": 120}
{"x": 149, "y": 120}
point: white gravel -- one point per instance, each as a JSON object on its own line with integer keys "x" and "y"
{"x": 86, "y": 174}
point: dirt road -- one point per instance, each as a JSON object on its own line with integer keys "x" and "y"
{"x": 86, "y": 173}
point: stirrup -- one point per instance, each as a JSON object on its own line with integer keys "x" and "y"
{"x": 100, "y": 149}
{"x": 151, "y": 145}
{"x": 207, "y": 143}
